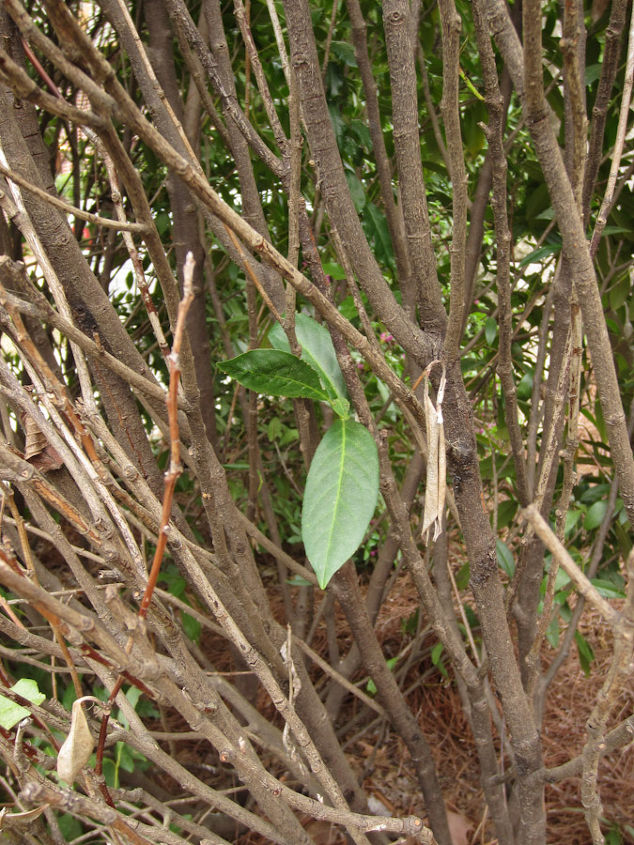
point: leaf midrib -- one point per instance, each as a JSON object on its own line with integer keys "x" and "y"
{"x": 342, "y": 462}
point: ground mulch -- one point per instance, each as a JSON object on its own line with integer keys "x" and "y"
{"x": 382, "y": 763}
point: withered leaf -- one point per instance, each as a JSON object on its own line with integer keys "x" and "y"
{"x": 78, "y": 746}
{"x": 435, "y": 488}
{"x": 20, "y": 819}
{"x": 37, "y": 450}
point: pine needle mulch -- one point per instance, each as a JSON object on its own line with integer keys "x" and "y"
{"x": 381, "y": 761}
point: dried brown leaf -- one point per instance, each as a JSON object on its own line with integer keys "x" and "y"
{"x": 35, "y": 441}
{"x": 78, "y": 746}
{"x": 37, "y": 450}
{"x": 435, "y": 488}
{"x": 459, "y": 827}
{"x": 20, "y": 819}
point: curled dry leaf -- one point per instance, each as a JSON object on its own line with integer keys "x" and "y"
{"x": 76, "y": 750}
{"x": 20, "y": 819}
{"x": 37, "y": 450}
{"x": 435, "y": 488}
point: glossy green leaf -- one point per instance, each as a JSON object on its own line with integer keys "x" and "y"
{"x": 340, "y": 497}
{"x": 317, "y": 350}
{"x": 276, "y": 373}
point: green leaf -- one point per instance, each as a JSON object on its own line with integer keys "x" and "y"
{"x": 595, "y": 515}
{"x": 592, "y": 73}
{"x": 10, "y": 712}
{"x": 562, "y": 580}
{"x": 537, "y": 254}
{"x": 471, "y": 86}
{"x": 376, "y": 227}
{"x": 191, "y": 627}
{"x": 298, "y": 581}
{"x": 584, "y": 649}
{"x": 341, "y": 407}
{"x": 69, "y": 827}
{"x": 276, "y": 373}
{"x": 490, "y": 330}
{"x": 552, "y": 634}
{"x": 623, "y": 538}
{"x": 126, "y": 759}
{"x": 274, "y": 429}
{"x": 357, "y": 191}
{"x": 371, "y": 686}
{"x": 613, "y": 836}
{"x": 572, "y": 518}
{"x": 620, "y": 293}
{"x": 358, "y": 128}
{"x": 29, "y": 689}
{"x": 525, "y": 386}
{"x": 340, "y": 497}
{"x": 594, "y": 493}
{"x": 505, "y": 558}
{"x": 333, "y": 269}
{"x": 506, "y": 511}
{"x": 335, "y": 117}
{"x": 462, "y": 576}
{"x": 410, "y": 624}
{"x": 317, "y": 350}
{"x": 607, "y": 589}
{"x": 344, "y": 51}
{"x": 436, "y": 653}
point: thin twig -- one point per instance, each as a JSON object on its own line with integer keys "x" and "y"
{"x": 584, "y": 586}
{"x": 175, "y": 467}
{"x": 67, "y": 208}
